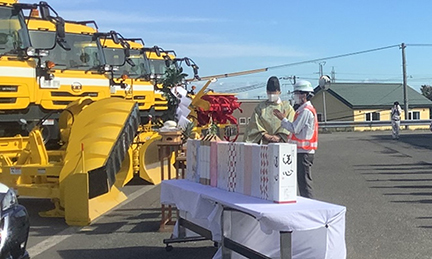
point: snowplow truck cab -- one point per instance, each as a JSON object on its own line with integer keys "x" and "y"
{"x": 131, "y": 80}
{"x": 74, "y": 73}
{"x": 66, "y": 74}
{"x": 158, "y": 67}
{"x": 18, "y": 86}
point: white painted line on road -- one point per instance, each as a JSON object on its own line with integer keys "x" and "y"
{"x": 126, "y": 228}
{"x": 56, "y": 239}
{"x": 52, "y": 241}
{"x": 87, "y": 229}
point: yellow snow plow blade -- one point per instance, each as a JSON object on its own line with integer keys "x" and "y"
{"x": 81, "y": 178}
{"x": 99, "y": 142}
{"x": 149, "y": 160}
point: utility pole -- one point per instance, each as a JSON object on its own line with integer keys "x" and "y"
{"x": 292, "y": 81}
{"x": 333, "y": 75}
{"x": 321, "y": 64}
{"x": 291, "y": 78}
{"x": 403, "y": 46}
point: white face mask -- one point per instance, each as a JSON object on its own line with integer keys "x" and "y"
{"x": 273, "y": 97}
{"x": 297, "y": 99}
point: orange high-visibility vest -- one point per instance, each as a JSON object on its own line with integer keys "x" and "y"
{"x": 307, "y": 144}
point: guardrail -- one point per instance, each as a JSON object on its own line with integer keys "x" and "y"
{"x": 346, "y": 124}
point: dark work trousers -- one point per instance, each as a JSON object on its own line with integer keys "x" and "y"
{"x": 304, "y": 174}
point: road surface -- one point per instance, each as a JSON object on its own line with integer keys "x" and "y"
{"x": 385, "y": 184}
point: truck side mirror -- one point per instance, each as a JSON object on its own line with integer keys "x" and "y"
{"x": 61, "y": 33}
{"x": 60, "y": 28}
{"x": 187, "y": 61}
{"x": 44, "y": 10}
{"x": 157, "y": 51}
{"x": 114, "y": 37}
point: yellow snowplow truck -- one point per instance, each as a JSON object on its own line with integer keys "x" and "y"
{"x": 140, "y": 81}
{"x": 158, "y": 67}
{"x": 160, "y": 62}
{"x": 77, "y": 145}
{"x": 91, "y": 159}
{"x": 131, "y": 81}
{"x": 18, "y": 69}
{"x": 68, "y": 74}
{"x": 99, "y": 65}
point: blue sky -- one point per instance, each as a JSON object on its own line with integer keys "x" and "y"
{"x": 230, "y": 36}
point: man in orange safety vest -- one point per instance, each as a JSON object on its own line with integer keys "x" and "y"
{"x": 304, "y": 133}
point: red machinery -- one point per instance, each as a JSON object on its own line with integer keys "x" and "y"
{"x": 219, "y": 111}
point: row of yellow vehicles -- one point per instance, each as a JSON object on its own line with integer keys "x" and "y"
{"x": 79, "y": 109}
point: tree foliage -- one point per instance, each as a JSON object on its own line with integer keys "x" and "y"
{"x": 173, "y": 77}
{"x": 426, "y": 91}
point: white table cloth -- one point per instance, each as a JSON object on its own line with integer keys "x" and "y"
{"x": 318, "y": 227}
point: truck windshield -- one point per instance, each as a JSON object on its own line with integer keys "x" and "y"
{"x": 84, "y": 54}
{"x": 158, "y": 66}
{"x": 116, "y": 58}
{"x": 13, "y": 31}
{"x": 141, "y": 68}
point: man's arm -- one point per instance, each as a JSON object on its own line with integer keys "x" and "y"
{"x": 298, "y": 124}
{"x": 255, "y": 131}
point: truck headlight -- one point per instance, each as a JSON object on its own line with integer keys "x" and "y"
{"x": 107, "y": 68}
{"x": 31, "y": 52}
{"x": 43, "y": 53}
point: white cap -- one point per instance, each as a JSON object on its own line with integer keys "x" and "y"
{"x": 303, "y": 85}
{"x": 169, "y": 124}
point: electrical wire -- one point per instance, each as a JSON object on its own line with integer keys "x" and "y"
{"x": 419, "y": 45}
{"x": 334, "y": 57}
{"x": 259, "y": 70}
{"x": 255, "y": 86}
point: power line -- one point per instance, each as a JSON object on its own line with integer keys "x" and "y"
{"x": 419, "y": 45}
{"x": 259, "y": 70}
{"x": 262, "y": 85}
{"x": 334, "y": 57}
{"x": 245, "y": 88}
{"x": 259, "y": 85}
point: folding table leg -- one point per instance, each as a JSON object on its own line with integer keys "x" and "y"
{"x": 285, "y": 244}
{"x": 226, "y": 232}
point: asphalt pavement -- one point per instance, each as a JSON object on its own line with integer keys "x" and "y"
{"x": 385, "y": 184}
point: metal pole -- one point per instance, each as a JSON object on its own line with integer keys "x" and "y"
{"x": 403, "y": 46}
{"x": 226, "y": 232}
{"x": 321, "y": 68}
{"x": 324, "y": 100}
{"x": 324, "y": 106}
{"x": 285, "y": 244}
